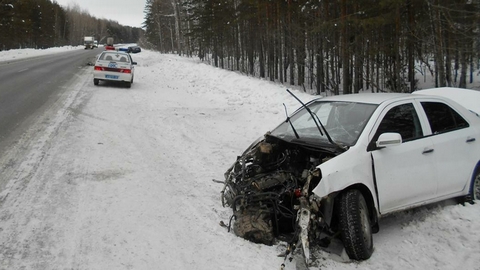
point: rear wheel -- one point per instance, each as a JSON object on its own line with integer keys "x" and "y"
{"x": 475, "y": 188}
{"x": 128, "y": 84}
{"x": 355, "y": 225}
{"x": 96, "y": 81}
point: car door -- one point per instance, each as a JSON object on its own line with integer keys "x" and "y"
{"x": 132, "y": 65}
{"x": 405, "y": 173}
{"x": 454, "y": 142}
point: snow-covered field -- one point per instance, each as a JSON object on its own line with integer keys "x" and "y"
{"x": 117, "y": 178}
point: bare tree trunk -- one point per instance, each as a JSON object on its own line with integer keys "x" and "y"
{"x": 345, "y": 52}
{"x": 436, "y": 23}
{"x": 261, "y": 57}
{"x": 410, "y": 47}
{"x": 320, "y": 87}
{"x": 463, "y": 69}
{"x": 175, "y": 6}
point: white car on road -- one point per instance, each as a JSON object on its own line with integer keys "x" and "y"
{"x": 337, "y": 164}
{"x": 114, "y": 66}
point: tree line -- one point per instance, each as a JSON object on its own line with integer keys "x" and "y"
{"x": 336, "y": 46}
{"x": 44, "y": 24}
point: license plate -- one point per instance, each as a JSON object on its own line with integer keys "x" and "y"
{"x": 111, "y": 77}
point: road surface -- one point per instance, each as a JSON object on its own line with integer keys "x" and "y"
{"x": 29, "y": 86}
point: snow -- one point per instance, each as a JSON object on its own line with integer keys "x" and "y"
{"x": 118, "y": 178}
{"x": 17, "y": 54}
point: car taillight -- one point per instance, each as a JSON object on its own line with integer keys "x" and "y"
{"x": 121, "y": 70}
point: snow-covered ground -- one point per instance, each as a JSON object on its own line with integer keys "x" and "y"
{"x": 117, "y": 178}
{"x": 17, "y": 54}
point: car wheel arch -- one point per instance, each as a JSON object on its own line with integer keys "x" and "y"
{"x": 367, "y": 195}
{"x": 471, "y": 183}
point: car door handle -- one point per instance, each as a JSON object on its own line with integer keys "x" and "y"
{"x": 470, "y": 139}
{"x": 427, "y": 150}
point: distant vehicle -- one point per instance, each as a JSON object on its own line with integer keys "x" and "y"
{"x": 109, "y": 44}
{"x": 110, "y": 41}
{"x": 339, "y": 163}
{"x": 134, "y": 49}
{"x": 123, "y": 49}
{"x": 114, "y": 66}
{"x": 88, "y": 42}
{"x": 95, "y": 43}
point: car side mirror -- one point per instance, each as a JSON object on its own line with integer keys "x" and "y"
{"x": 389, "y": 139}
{"x": 134, "y": 63}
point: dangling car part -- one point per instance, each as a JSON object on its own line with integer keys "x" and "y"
{"x": 337, "y": 164}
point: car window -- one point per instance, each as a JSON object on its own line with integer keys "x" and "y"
{"x": 117, "y": 57}
{"x": 401, "y": 119}
{"x": 442, "y": 118}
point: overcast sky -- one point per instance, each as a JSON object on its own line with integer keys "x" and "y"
{"x": 125, "y": 12}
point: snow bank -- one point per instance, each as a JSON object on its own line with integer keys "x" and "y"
{"x": 17, "y": 54}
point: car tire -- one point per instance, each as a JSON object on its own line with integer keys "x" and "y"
{"x": 128, "y": 84}
{"x": 96, "y": 81}
{"x": 355, "y": 225}
{"x": 474, "y": 189}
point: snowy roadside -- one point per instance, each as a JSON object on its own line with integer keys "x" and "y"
{"x": 17, "y": 54}
{"x": 122, "y": 179}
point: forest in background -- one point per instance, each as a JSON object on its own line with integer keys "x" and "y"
{"x": 335, "y": 46}
{"x": 44, "y": 23}
{"x": 338, "y": 46}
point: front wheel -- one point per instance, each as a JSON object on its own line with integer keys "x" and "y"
{"x": 355, "y": 225}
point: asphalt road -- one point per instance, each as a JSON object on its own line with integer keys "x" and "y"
{"x": 28, "y": 86}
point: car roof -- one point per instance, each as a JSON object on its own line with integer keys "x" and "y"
{"x": 371, "y": 98}
{"x": 466, "y": 97}
{"x": 115, "y": 52}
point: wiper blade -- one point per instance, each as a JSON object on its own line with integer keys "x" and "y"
{"x": 317, "y": 122}
{"x": 289, "y": 121}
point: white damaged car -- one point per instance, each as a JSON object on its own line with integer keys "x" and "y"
{"x": 114, "y": 66}
{"x": 337, "y": 164}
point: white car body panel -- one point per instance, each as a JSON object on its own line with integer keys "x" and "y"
{"x": 339, "y": 172}
{"x": 415, "y": 169}
{"x": 450, "y": 151}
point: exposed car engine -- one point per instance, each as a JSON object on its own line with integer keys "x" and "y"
{"x": 269, "y": 185}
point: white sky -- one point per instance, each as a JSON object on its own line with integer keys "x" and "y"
{"x": 125, "y": 12}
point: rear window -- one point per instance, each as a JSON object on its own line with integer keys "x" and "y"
{"x": 442, "y": 118}
{"x": 115, "y": 57}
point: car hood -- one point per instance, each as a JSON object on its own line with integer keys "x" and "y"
{"x": 465, "y": 97}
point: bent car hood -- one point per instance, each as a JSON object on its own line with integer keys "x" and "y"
{"x": 465, "y": 97}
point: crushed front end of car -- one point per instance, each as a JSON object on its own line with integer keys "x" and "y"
{"x": 270, "y": 186}
{"x": 269, "y": 189}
